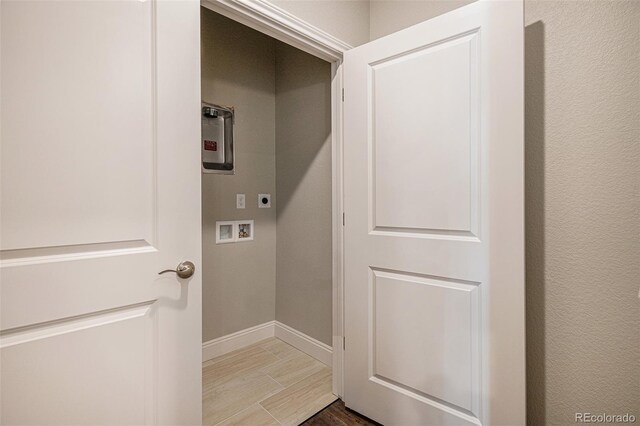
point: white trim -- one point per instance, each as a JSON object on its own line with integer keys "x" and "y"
{"x": 234, "y": 231}
{"x": 243, "y": 338}
{"x": 36, "y": 256}
{"x": 252, "y": 231}
{"x": 280, "y": 24}
{"x": 337, "y": 227}
{"x": 71, "y": 325}
{"x": 238, "y": 340}
{"x": 312, "y": 347}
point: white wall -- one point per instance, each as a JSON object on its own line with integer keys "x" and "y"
{"x": 347, "y": 20}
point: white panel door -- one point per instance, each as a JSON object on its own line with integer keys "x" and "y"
{"x": 434, "y": 240}
{"x": 100, "y": 183}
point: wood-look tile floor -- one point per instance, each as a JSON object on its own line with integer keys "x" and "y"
{"x": 268, "y": 383}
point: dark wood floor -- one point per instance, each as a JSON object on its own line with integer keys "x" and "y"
{"x": 337, "y": 414}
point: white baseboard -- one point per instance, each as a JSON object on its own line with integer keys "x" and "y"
{"x": 238, "y": 340}
{"x": 320, "y": 351}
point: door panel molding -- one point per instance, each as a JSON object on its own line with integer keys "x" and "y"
{"x": 74, "y": 164}
{"x": 71, "y": 367}
{"x": 35, "y": 256}
{"x": 18, "y": 336}
{"x": 412, "y": 219}
{"x": 443, "y": 406}
{"x": 449, "y": 317}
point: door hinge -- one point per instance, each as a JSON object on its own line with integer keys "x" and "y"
{"x": 343, "y": 94}
{"x": 343, "y": 219}
{"x": 344, "y": 343}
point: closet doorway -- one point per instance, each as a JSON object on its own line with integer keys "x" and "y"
{"x": 268, "y": 228}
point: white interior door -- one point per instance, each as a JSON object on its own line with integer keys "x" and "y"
{"x": 100, "y": 191}
{"x": 434, "y": 240}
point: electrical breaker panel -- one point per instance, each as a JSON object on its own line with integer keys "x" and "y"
{"x": 217, "y": 139}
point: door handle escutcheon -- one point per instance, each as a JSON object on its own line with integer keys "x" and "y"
{"x": 183, "y": 270}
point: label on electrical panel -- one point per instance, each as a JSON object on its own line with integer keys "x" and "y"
{"x": 210, "y": 145}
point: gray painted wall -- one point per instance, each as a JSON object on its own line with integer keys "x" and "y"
{"x": 279, "y": 93}
{"x": 303, "y": 184}
{"x": 582, "y": 96}
{"x": 238, "y": 69}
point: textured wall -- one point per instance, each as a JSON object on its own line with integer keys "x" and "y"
{"x": 303, "y": 183}
{"x": 347, "y": 20}
{"x": 238, "y": 69}
{"x": 582, "y": 101}
{"x": 388, "y": 16}
{"x": 583, "y": 208}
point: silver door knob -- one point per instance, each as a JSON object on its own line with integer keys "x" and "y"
{"x": 183, "y": 270}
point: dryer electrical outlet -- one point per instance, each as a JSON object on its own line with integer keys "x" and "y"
{"x": 264, "y": 201}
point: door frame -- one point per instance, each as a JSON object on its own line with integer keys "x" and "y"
{"x": 287, "y": 28}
